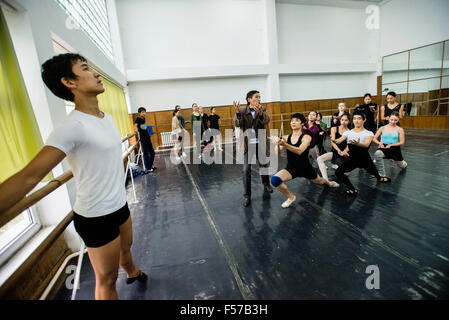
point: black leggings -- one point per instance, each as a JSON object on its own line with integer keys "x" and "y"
{"x": 350, "y": 164}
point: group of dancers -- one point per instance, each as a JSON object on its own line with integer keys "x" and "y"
{"x": 350, "y": 147}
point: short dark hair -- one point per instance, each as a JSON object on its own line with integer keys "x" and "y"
{"x": 391, "y": 93}
{"x": 141, "y": 109}
{"x": 212, "y": 108}
{"x": 176, "y": 107}
{"x": 250, "y": 95}
{"x": 58, "y": 67}
{"x": 359, "y": 113}
{"x": 367, "y": 95}
{"x": 299, "y": 116}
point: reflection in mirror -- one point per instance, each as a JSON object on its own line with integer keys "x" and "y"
{"x": 444, "y": 97}
{"x": 423, "y": 94}
{"x": 425, "y": 62}
{"x": 446, "y": 59}
{"x": 399, "y": 88}
{"x": 394, "y": 67}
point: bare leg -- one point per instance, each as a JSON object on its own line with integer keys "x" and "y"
{"x": 105, "y": 262}
{"x": 285, "y": 176}
{"x": 126, "y": 241}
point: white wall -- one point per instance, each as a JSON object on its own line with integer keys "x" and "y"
{"x": 407, "y": 24}
{"x": 165, "y": 94}
{"x": 177, "y": 52}
{"x": 328, "y": 50}
{"x": 319, "y": 34}
{"x": 180, "y": 33}
{"x": 325, "y": 86}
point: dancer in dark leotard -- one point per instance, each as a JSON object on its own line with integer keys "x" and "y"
{"x": 391, "y": 106}
{"x": 298, "y": 164}
{"x": 369, "y": 108}
{"x": 339, "y": 152}
{"x": 392, "y": 138}
{"x": 359, "y": 140}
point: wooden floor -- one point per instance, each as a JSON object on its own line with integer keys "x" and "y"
{"x": 195, "y": 240}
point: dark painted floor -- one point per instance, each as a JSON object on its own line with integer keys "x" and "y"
{"x": 195, "y": 240}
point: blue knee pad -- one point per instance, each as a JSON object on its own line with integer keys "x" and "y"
{"x": 276, "y": 181}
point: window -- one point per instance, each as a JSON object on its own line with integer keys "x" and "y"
{"x": 16, "y": 232}
{"x": 92, "y": 17}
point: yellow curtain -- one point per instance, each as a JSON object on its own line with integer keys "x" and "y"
{"x": 20, "y": 139}
{"x": 112, "y": 101}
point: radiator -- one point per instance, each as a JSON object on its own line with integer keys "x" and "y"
{"x": 167, "y": 140}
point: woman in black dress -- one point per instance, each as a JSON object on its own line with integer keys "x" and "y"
{"x": 369, "y": 109}
{"x": 391, "y": 106}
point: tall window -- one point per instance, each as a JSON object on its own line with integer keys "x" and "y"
{"x": 92, "y": 17}
{"x": 20, "y": 140}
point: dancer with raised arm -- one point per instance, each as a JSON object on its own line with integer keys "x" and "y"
{"x": 297, "y": 145}
{"x": 250, "y": 120}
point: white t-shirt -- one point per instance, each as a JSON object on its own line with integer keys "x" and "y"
{"x": 94, "y": 152}
{"x": 352, "y": 135}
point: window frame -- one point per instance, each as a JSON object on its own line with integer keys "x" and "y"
{"x": 21, "y": 238}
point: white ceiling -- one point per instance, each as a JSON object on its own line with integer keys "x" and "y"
{"x": 337, "y": 3}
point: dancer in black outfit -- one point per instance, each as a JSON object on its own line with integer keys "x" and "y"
{"x": 391, "y": 106}
{"x": 369, "y": 109}
{"x": 359, "y": 140}
{"x": 298, "y": 164}
{"x": 148, "y": 153}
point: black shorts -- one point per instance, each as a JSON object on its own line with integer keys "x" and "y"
{"x": 393, "y": 153}
{"x": 303, "y": 171}
{"x": 98, "y": 231}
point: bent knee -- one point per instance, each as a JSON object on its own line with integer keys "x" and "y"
{"x": 276, "y": 181}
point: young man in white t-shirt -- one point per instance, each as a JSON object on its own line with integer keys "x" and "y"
{"x": 92, "y": 145}
{"x": 359, "y": 140}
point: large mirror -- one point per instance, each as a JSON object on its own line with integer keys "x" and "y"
{"x": 420, "y": 78}
{"x": 444, "y": 97}
{"x": 395, "y": 67}
{"x": 446, "y": 59}
{"x": 424, "y": 94}
{"x": 425, "y": 62}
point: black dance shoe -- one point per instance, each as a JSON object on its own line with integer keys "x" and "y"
{"x": 142, "y": 277}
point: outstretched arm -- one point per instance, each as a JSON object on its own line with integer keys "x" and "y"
{"x": 17, "y": 186}
{"x": 298, "y": 150}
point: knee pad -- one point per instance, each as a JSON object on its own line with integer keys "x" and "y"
{"x": 276, "y": 181}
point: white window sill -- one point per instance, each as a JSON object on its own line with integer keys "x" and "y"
{"x": 19, "y": 258}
